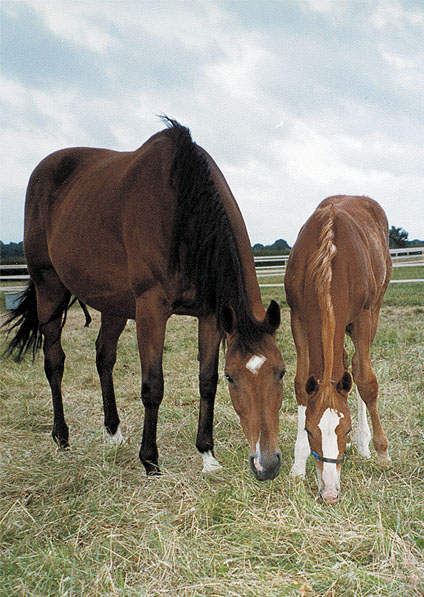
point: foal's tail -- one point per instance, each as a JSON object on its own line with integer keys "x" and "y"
{"x": 25, "y": 318}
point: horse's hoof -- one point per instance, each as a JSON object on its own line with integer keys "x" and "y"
{"x": 117, "y": 438}
{"x": 152, "y": 470}
{"x": 210, "y": 464}
{"x": 61, "y": 442}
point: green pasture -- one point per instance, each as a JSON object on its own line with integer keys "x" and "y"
{"x": 87, "y": 522}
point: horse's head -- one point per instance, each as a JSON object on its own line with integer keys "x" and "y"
{"x": 328, "y": 424}
{"x": 255, "y": 381}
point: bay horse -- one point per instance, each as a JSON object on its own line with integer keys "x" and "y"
{"x": 144, "y": 235}
{"x": 336, "y": 277}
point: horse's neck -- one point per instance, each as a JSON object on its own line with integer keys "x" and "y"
{"x": 242, "y": 240}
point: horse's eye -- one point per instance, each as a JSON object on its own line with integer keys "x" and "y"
{"x": 308, "y": 432}
{"x": 229, "y": 378}
{"x": 282, "y": 373}
{"x": 347, "y": 432}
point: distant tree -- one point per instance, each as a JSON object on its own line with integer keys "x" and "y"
{"x": 279, "y": 247}
{"x": 398, "y": 238}
{"x": 11, "y": 253}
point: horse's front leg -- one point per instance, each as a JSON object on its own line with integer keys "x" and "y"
{"x": 151, "y": 318}
{"x": 106, "y": 343}
{"x": 209, "y": 339}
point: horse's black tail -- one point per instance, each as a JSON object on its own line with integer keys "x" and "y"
{"x": 25, "y": 318}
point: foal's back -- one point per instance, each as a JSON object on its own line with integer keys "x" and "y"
{"x": 361, "y": 264}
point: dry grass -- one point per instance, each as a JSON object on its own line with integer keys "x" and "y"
{"x": 88, "y": 522}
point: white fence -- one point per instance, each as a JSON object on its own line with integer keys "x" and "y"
{"x": 412, "y": 257}
{"x": 271, "y": 266}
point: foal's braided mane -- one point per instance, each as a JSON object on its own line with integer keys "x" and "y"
{"x": 320, "y": 273}
{"x": 203, "y": 244}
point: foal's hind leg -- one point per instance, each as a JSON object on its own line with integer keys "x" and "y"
{"x": 363, "y": 332}
{"x": 52, "y": 299}
{"x": 106, "y": 343}
{"x": 209, "y": 339}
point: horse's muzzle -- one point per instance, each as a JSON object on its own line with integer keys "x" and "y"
{"x": 266, "y": 467}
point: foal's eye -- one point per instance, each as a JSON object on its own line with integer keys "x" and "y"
{"x": 282, "y": 373}
{"x": 229, "y": 378}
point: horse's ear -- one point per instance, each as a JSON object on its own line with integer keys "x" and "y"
{"x": 229, "y": 319}
{"x": 273, "y": 316}
{"x": 345, "y": 383}
{"x": 311, "y": 385}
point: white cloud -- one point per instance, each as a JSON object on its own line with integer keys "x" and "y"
{"x": 291, "y": 113}
{"x": 392, "y": 13}
{"x": 78, "y": 22}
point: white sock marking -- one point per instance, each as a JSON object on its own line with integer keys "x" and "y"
{"x": 210, "y": 464}
{"x": 117, "y": 438}
{"x": 362, "y": 434}
{"x": 301, "y": 448}
{"x": 255, "y": 363}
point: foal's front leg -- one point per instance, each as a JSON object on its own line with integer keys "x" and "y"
{"x": 151, "y": 318}
{"x": 208, "y": 339}
{"x": 301, "y": 448}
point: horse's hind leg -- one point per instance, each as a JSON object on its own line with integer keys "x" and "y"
{"x": 106, "y": 343}
{"x": 363, "y": 332}
{"x": 52, "y": 301}
{"x": 209, "y": 339}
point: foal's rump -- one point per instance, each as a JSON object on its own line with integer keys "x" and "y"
{"x": 360, "y": 260}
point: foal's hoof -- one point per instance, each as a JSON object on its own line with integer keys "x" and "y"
{"x": 297, "y": 472}
{"x": 385, "y": 459}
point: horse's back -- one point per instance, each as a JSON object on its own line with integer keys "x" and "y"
{"x": 90, "y": 211}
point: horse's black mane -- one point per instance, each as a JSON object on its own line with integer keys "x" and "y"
{"x": 203, "y": 234}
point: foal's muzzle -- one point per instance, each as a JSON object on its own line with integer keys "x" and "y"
{"x": 266, "y": 467}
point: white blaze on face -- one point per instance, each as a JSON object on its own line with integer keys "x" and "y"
{"x": 330, "y": 480}
{"x": 255, "y": 363}
{"x": 257, "y": 458}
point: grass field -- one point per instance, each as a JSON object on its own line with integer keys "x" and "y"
{"x": 88, "y": 522}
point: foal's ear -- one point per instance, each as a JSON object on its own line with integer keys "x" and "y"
{"x": 345, "y": 383}
{"x": 311, "y": 385}
{"x": 273, "y": 316}
{"x": 229, "y": 319}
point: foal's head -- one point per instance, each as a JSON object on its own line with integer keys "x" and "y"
{"x": 255, "y": 380}
{"x": 328, "y": 424}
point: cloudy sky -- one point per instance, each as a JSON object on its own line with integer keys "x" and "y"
{"x": 295, "y": 99}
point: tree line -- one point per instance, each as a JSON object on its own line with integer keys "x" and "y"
{"x": 13, "y": 253}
